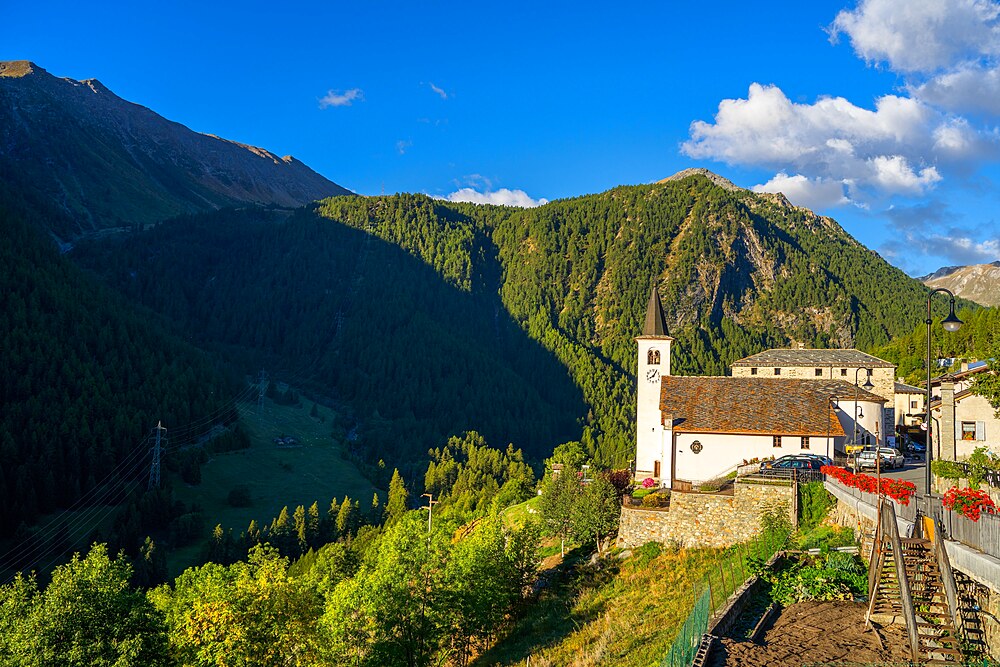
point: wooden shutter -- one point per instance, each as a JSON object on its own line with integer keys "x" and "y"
{"x": 980, "y": 430}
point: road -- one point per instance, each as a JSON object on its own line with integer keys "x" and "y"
{"x": 912, "y": 471}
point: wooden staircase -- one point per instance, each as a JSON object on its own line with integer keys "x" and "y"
{"x": 911, "y": 583}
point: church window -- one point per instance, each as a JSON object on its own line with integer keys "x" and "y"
{"x": 753, "y": 371}
{"x": 819, "y": 372}
{"x": 696, "y": 447}
{"x": 656, "y": 469}
{"x": 653, "y": 357}
{"x": 777, "y": 441}
{"x": 843, "y": 372}
{"x": 777, "y": 371}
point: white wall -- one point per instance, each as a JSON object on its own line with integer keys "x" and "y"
{"x": 870, "y": 420}
{"x": 648, "y": 422}
{"x": 722, "y": 452}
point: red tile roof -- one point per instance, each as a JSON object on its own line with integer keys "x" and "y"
{"x": 769, "y": 406}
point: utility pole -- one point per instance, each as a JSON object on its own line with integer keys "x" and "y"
{"x": 262, "y": 381}
{"x": 154, "y": 467}
{"x": 430, "y": 511}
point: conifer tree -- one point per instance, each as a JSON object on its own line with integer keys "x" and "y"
{"x": 395, "y": 506}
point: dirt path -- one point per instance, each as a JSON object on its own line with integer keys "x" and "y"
{"x": 815, "y": 633}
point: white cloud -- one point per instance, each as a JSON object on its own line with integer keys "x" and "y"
{"x": 440, "y": 91}
{"x": 969, "y": 88}
{"x": 814, "y": 193}
{"x": 335, "y": 98}
{"x": 921, "y": 35}
{"x": 895, "y": 149}
{"x": 930, "y": 229}
{"x": 502, "y": 197}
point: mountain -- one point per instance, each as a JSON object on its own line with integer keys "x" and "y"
{"x": 87, "y": 377}
{"x": 503, "y": 317}
{"x": 84, "y": 159}
{"x": 976, "y": 282}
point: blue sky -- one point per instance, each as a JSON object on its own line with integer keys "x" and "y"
{"x": 880, "y": 113}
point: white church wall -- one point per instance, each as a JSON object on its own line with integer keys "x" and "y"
{"x": 869, "y": 422}
{"x": 722, "y": 452}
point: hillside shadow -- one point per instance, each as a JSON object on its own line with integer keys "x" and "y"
{"x": 348, "y": 314}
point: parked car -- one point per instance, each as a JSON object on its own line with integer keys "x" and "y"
{"x": 891, "y": 459}
{"x": 797, "y": 463}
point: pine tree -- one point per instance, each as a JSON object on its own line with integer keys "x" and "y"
{"x": 344, "y": 518}
{"x": 395, "y": 506}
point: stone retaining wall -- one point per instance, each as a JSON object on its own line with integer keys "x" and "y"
{"x": 705, "y": 520}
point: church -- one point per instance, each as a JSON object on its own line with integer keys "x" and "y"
{"x": 691, "y": 429}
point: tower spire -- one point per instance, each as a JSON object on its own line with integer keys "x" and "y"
{"x": 656, "y": 323}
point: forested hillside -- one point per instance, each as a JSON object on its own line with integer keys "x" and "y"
{"x": 419, "y": 358}
{"x": 85, "y": 377}
{"x": 458, "y": 316}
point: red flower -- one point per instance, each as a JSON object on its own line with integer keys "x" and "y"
{"x": 970, "y": 503}
{"x": 897, "y": 489}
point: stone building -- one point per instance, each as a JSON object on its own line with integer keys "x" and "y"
{"x": 845, "y": 365}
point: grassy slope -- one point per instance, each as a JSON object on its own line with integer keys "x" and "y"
{"x": 625, "y": 613}
{"x": 316, "y": 471}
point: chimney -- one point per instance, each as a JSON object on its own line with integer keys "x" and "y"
{"x": 946, "y": 431}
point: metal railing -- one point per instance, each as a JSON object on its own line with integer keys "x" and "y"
{"x": 784, "y": 475}
{"x": 991, "y": 477}
{"x": 983, "y": 535}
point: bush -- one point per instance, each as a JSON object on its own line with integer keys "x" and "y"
{"x": 638, "y": 494}
{"x": 647, "y": 553}
{"x": 947, "y": 469}
{"x": 712, "y": 485}
{"x": 239, "y": 496}
{"x": 659, "y": 499}
{"x": 814, "y": 502}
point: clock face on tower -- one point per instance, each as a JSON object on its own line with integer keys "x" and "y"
{"x": 652, "y": 375}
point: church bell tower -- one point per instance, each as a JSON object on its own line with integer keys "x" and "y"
{"x": 653, "y": 455}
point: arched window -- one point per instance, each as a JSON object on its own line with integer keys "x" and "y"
{"x": 653, "y": 357}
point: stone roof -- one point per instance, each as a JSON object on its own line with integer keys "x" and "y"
{"x": 808, "y": 357}
{"x": 656, "y": 323}
{"x": 766, "y": 406}
{"x": 903, "y": 388}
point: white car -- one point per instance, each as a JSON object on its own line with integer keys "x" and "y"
{"x": 891, "y": 458}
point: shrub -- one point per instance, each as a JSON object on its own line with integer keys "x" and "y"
{"x": 712, "y": 485}
{"x": 947, "y": 469}
{"x": 980, "y": 462}
{"x": 661, "y": 499}
{"x": 814, "y": 502}
{"x": 647, "y": 553}
{"x": 638, "y": 494}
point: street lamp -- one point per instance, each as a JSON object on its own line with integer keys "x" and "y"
{"x": 950, "y": 324}
{"x": 868, "y": 386}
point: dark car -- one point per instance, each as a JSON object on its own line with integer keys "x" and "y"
{"x": 794, "y": 462}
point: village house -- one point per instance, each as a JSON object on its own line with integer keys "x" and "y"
{"x": 963, "y": 420}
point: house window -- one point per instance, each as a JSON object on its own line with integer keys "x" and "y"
{"x": 753, "y": 371}
{"x": 653, "y": 357}
{"x": 843, "y": 372}
{"x": 805, "y": 442}
{"x": 913, "y": 405}
{"x": 968, "y": 430}
{"x": 777, "y": 441}
{"x": 656, "y": 469}
{"x": 819, "y": 372}
{"x": 777, "y": 371}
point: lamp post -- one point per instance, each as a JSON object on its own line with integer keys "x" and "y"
{"x": 950, "y": 324}
{"x": 868, "y": 386}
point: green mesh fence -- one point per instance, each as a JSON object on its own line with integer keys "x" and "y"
{"x": 682, "y": 652}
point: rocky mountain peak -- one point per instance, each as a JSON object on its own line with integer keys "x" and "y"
{"x": 723, "y": 183}
{"x": 17, "y": 68}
